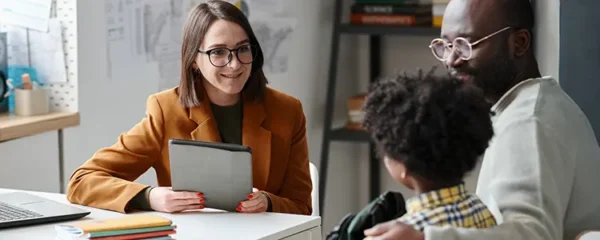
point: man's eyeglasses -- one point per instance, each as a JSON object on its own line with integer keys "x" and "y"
{"x": 461, "y": 46}
{"x": 220, "y": 57}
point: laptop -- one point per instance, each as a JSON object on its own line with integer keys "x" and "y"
{"x": 20, "y": 209}
{"x": 221, "y": 171}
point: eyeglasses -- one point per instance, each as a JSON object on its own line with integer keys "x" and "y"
{"x": 220, "y": 57}
{"x": 463, "y": 48}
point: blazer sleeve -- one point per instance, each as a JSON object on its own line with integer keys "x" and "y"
{"x": 106, "y": 180}
{"x": 295, "y": 194}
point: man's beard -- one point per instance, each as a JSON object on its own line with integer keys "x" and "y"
{"x": 496, "y": 77}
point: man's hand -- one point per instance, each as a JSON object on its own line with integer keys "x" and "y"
{"x": 393, "y": 230}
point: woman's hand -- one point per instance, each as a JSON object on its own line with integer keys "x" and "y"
{"x": 257, "y": 202}
{"x": 164, "y": 199}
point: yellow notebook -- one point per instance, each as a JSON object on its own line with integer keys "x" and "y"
{"x": 120, "y": 223}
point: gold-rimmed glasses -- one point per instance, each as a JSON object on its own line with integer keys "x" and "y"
{"x": 461, "y": 46}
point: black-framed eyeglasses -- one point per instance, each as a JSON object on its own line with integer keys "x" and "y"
{"x": 461, "y": 46}
{"x": 220, "y": 57}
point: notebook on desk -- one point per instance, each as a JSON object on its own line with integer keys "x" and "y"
{"x": 21, "y": 209}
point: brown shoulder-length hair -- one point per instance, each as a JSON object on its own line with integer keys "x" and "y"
{"x": 191, "y": 91}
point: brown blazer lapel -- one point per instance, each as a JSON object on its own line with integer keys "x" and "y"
{"x": 259, "y": 140}
{"x": 207, "y": 130}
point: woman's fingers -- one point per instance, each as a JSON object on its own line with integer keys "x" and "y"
{"x": 181, "y": 208}
{"x": 184, "y": 195}
{"x": 260, "y": 207}
{"x": 250, "y": 203}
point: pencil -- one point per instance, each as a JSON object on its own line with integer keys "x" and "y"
{"x": 26, "y": 81}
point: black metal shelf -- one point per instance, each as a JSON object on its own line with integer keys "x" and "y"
{"x": 388, "y": 30}
{"x": 349, "y": 135}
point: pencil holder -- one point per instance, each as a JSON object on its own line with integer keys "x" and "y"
{"x": 30, "y": 102}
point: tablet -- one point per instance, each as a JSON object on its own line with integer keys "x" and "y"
{"x": 221, "y": 171}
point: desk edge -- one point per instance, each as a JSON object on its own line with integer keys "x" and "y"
{"x": 41, "y": 126}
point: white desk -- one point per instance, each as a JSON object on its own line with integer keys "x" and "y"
{"x": 195, "y": 225}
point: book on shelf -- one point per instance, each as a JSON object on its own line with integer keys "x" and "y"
{"x": 398, "y": 14}
{"x": 356, "y": 114}
{"x": 145, "y": 226}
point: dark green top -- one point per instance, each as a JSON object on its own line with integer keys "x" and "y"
{"x": 229, "y": 123}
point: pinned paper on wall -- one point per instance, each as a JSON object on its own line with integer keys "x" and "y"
{"x": 148, "y": 33}
{"x": 142, "y": 32}
{"x": 32, "y": 14}
{"x": 47, "y": 53}
{"x": 43, "y": 51}
{"x": 273, "y": 26}
{"x": 17, "y": 45}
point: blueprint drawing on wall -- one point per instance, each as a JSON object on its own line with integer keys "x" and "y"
{"x": 273, "y": 25}
{"x": 149, "y": 33}
{"x": 146, "y": 33}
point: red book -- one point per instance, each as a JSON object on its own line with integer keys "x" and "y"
{"x": 383, "y": 19}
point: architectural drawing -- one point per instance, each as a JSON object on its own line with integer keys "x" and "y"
{"x": 274, "y": 37}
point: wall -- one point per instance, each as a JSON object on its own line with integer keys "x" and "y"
{"x": 30, "y": 163}
{"x": 580, "y": 56}
{"x": 547, "y": 42}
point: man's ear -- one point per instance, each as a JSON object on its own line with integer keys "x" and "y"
{"x": 521, "y": 42}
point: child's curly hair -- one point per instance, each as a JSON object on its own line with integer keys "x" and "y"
{"x": 437, "y": 126}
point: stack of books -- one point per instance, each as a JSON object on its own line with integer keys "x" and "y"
{"x": 406, "y": 13}
{"x": 146, "y": 226}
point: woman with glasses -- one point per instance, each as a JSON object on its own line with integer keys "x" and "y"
{"x": 222, "y": 97}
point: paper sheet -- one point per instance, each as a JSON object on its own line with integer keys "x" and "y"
{"x": 3, "y": 54}
{"x": 273, "y": 26}
{"x": 47, "y": 53}
{"x": 123, "y": 36}
{"x": 17, "y": 46}
{"x": 274, "y": 36}
{"x": 148, "y": 33}
{"x": 33, "y": 14}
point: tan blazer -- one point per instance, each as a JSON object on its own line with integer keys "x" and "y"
{"x": 274, "y": 128}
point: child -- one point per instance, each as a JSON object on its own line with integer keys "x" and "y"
{"x": 431, "y": 131}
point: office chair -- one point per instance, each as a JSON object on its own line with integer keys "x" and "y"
{"x": 314, "y": 177}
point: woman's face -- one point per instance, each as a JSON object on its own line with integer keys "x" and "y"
{"x": 228, "y": 78}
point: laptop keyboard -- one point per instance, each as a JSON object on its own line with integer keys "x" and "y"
{"x": 11, "y": 213}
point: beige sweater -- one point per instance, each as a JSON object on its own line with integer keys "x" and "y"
{"x": 541, "y": 174}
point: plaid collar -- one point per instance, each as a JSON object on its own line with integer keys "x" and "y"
{"x": 433, "y": 199}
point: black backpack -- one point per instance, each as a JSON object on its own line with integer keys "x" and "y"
{"x": 388, "y": 206}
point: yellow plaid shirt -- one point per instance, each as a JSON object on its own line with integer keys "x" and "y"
{"x": 448, "y": 206}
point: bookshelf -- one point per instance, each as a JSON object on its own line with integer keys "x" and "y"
{"x": 330, "y": 134}
{"x": 347, "y": 28}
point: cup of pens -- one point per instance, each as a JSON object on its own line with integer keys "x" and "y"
{"x": 30, "y": 100}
